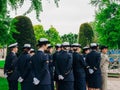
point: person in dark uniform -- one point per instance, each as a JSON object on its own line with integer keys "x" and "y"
{"x": 58, "y": 49}
{"x": 40, "y": 67}
{"x": 71, "y": 49}
{"x": 24, "y": 69}
{"x": 10, "y": 67}
{"x": 49, "y": 52}
{"x": 79, "y": 66}
{"x": 64, "y": 68}
{"x": 32, "y": 52}
{"x": 85, "y": 51}
{"x": 94, "y": 72}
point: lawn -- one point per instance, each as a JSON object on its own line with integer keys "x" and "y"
{"x": 2, "y": 64}
{"x": 4, "y": 84}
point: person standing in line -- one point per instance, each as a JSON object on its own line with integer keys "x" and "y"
{"x": 49, "y": 52}
{"x": 79, "y": 66}
{"x": 24, "y": 69}
{"x": 40, "y": 67}
{"x": 58, "y": 49}
{"x": 32, "y": 52}
{"x": 104, "y": 66}
{"x": 64, "y": 68}
{"x": 85, "y": 51}
{"x": 10, "y": 67}
{"x": 93, "y": 60}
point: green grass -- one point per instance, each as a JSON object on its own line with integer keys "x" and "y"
{"x": 4, "y": 84}
{"x": 2, "y": 64}
{"x": 115, "y": 75}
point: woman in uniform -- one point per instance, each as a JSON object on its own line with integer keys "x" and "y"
{"x": 93, "y": 64}
{"x": 79, "y": 66}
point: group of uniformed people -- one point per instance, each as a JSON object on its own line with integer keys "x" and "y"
{"x": 69, "y": 69}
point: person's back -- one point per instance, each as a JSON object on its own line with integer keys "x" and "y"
{"x": 93, "y": 60}
{"x": 93, "y": 67}
{"x": 40, "y": 67}
{"x": 10, "y": 67}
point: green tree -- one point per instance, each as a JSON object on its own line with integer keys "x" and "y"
{"x": 26, "y": 32}
{"x": 6, "y": 25}
{"x": 15, "y": 4}
{"x": 39, "y": 32}
{"x": 71, "y": 38}
{"x": 7, "y": 29}
{"x": 103, "y": 3}
{"x": 53, "y": 35}
{"x": 85, "y": 34}
{"x": 107, "y": 24}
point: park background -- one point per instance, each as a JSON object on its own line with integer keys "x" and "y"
{"x": 25, "y": 21}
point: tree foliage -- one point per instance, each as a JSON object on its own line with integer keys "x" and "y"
{"x": 26, "y": 33}
{"x": 53, "y": 35}
{"x": 7, "y": 29}
{"x": 107, "y": 24}
{"x": 71, "y": 38}
{"x": 6, "y": 23}
{"x": 103, "y": 3}
{"x": 85, "y": 34}
{"x": 39, "y": 32}
{"x": 14, "y": 4}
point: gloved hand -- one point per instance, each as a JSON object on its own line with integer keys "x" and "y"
{"x": 60, "y": 77}
{"x": 91, "y": 71}
{"x": 36, "y": 81}
{"x": 5, "y": 75}
{"x": 20, "y": 79}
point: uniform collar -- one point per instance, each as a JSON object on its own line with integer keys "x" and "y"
{"x": 13, "y": 52}
{"x": 41, "y": 50}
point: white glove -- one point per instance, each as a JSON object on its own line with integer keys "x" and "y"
{"x": 5, "y": 75}
{"x": 91, "y": 71}
{"x": 20, "y": 79}
{"x": 36, "y": 81}
{"x": 60, "y": 77}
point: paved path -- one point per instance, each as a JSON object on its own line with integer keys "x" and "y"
{"x": 113, "y": 83}
{"x": 1, "y": 73}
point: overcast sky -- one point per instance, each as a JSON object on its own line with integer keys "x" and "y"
{"x": 67, "y": 18}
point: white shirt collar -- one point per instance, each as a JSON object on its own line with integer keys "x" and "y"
{"x": 40, "y": 49}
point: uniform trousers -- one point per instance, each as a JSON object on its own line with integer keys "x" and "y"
{"x": 13, "y": 84}
{"x": 27, "y": 86}
{"x": 65, "y": 85}
{"x": 42, "y": 87}
{"x": 104, "y": 81}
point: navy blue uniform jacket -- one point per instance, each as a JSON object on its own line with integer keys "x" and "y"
{"x": 24, "y": 67}
{"x": 63, "y": 65}
{"x": 40, "y": 67}
{"x": 10, "y": 67}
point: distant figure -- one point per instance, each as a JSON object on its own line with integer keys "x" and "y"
{"x": 104, "y": 66}
{"x": 32, "y": 52}
{"x": 85, "y": 51}
{"x": 10, "y": 68}
{"x": 93, "y": 60}
{"x": 58, "y": 50}
{"x": 49, "y": 52}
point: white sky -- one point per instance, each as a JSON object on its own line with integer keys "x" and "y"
{"x": 67, "y": 18}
